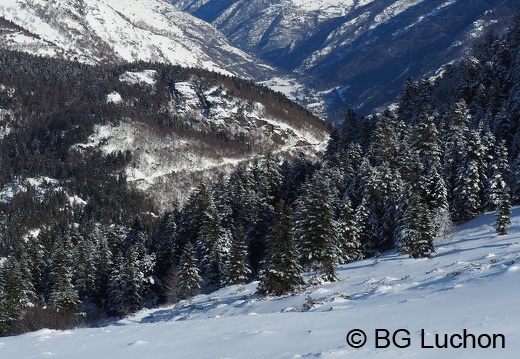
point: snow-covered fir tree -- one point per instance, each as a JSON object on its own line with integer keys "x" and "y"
{"x": 85, "y": 270}
{"x": 469, "y": 183}
{"x": 5, "y": 320}
{"x": 115, "y": 287}
{"x": 213, "y": 246}
{"x": 500, "y": 197}
{"x": 190, "y": 279}
{"x": 415, "y": 229}
{"x": 415, "y": 232}
{"x": 164, "y": 242}
{"x": 282, "y": 273}
{"x": 238, "y": 271}
{"x": 348, "y": 240}
{"x": 64, "y": 297}
{"x": 132, "y": 281}
{"x": 17, "y": 289}
{"x": 316, "y": 227}
{"x": 454, "y": 136}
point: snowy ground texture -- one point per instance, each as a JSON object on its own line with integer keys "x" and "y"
{"x": 472, "y": 284}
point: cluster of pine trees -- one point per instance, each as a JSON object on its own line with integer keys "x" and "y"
{"x": 398, "y": 179}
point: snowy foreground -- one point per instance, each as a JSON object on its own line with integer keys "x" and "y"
{"x": 468, "y": 292}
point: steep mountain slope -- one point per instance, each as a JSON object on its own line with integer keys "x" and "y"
{"x": 171, "y": 127}
{"x": 471, "y": 284}
{"x": 109, "y": 30}
{"x": 357, "y": 52}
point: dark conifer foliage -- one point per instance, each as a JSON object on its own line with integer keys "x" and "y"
{"x": 237, "y": 269}
{"x": 282, "y": 274}
{"x": 317, "y": 228}
{"x": 190, "y": 279}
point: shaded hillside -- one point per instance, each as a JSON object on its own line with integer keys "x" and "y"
{"x": 357, "y": 52}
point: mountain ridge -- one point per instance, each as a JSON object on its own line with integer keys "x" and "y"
{"x": 356, "y": 52}
{"x": 108, "y": 30}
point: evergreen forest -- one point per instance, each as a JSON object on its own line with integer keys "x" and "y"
{"x": 400, "y": 179}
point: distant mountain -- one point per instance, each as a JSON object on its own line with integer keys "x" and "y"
{"x": 97, "y": 31}
{"x": 328, "y": 55}
{"x": 356, "y": 53}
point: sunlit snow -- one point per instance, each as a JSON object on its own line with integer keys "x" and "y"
{"x": 114, "y": 97}
{"x": 141, "y": 77}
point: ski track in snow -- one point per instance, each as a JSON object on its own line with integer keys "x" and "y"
{"x": 472, "y": 283}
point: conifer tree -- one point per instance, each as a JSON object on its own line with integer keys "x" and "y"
{"x": 192, "y": 213}
{"x": 268, "y": 181}
{"x": 316, "y": 227}
{"x": 455, "y": 135}
{"x": 220, "y": 191}
{"x": 469, "y": 183}
{"x": 385, "y": 145}
{"x": 238, "y": 271}
{"x": 5, "y": 320}
{"x": 18, "y": 291}
{"x": 295, "y": 174}
{"x": 64, "y": 297}
{"x": 499, "y": 190}
{"x": 416, "y": 232}
{"x": 348, "y": 240}
{"x": 129, "y": 279}
{"x": 190, "y": 278}
{"x": 425, "y": 141}
{"x": 333, "y": 150}
{"x": 103, "y": 262}
{"x": 35, "y": 257}
{"x": 165, "y": 242}
{"x": 85, "y": 268}
{"x": 213, "y": 245}
{"x": 132, "y": 281}
{"x": 282, "y": 272}
{"x": 406, "y": 105}
{"x": 243, "y": 198}
{"x": 350, "y": 128}
{"x": 249, "y": 211}
{"x": 351, "y": 163}
{"x": 379, "y": 187}
{"x": 115, "y": 287}
{"x": 437, "y": 203}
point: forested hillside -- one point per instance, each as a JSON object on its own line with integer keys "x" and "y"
{"x": 448, "y": 151}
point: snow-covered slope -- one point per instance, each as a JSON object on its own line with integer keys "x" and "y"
{"x": 358, "y": 52}
{"x": 469, "y": 287}
{"x": 225, "y": 129}
{"x": 112, "y": 30}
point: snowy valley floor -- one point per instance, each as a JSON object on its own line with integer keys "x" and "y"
{"x": 472, "y": 283}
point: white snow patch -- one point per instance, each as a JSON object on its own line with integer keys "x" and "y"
{"x": 147, "y": 77}
{"x": 114, "y": 97}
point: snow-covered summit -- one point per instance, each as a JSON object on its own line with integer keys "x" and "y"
{"x": 110, "y": 30}
{"x": 471, "y": 285}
